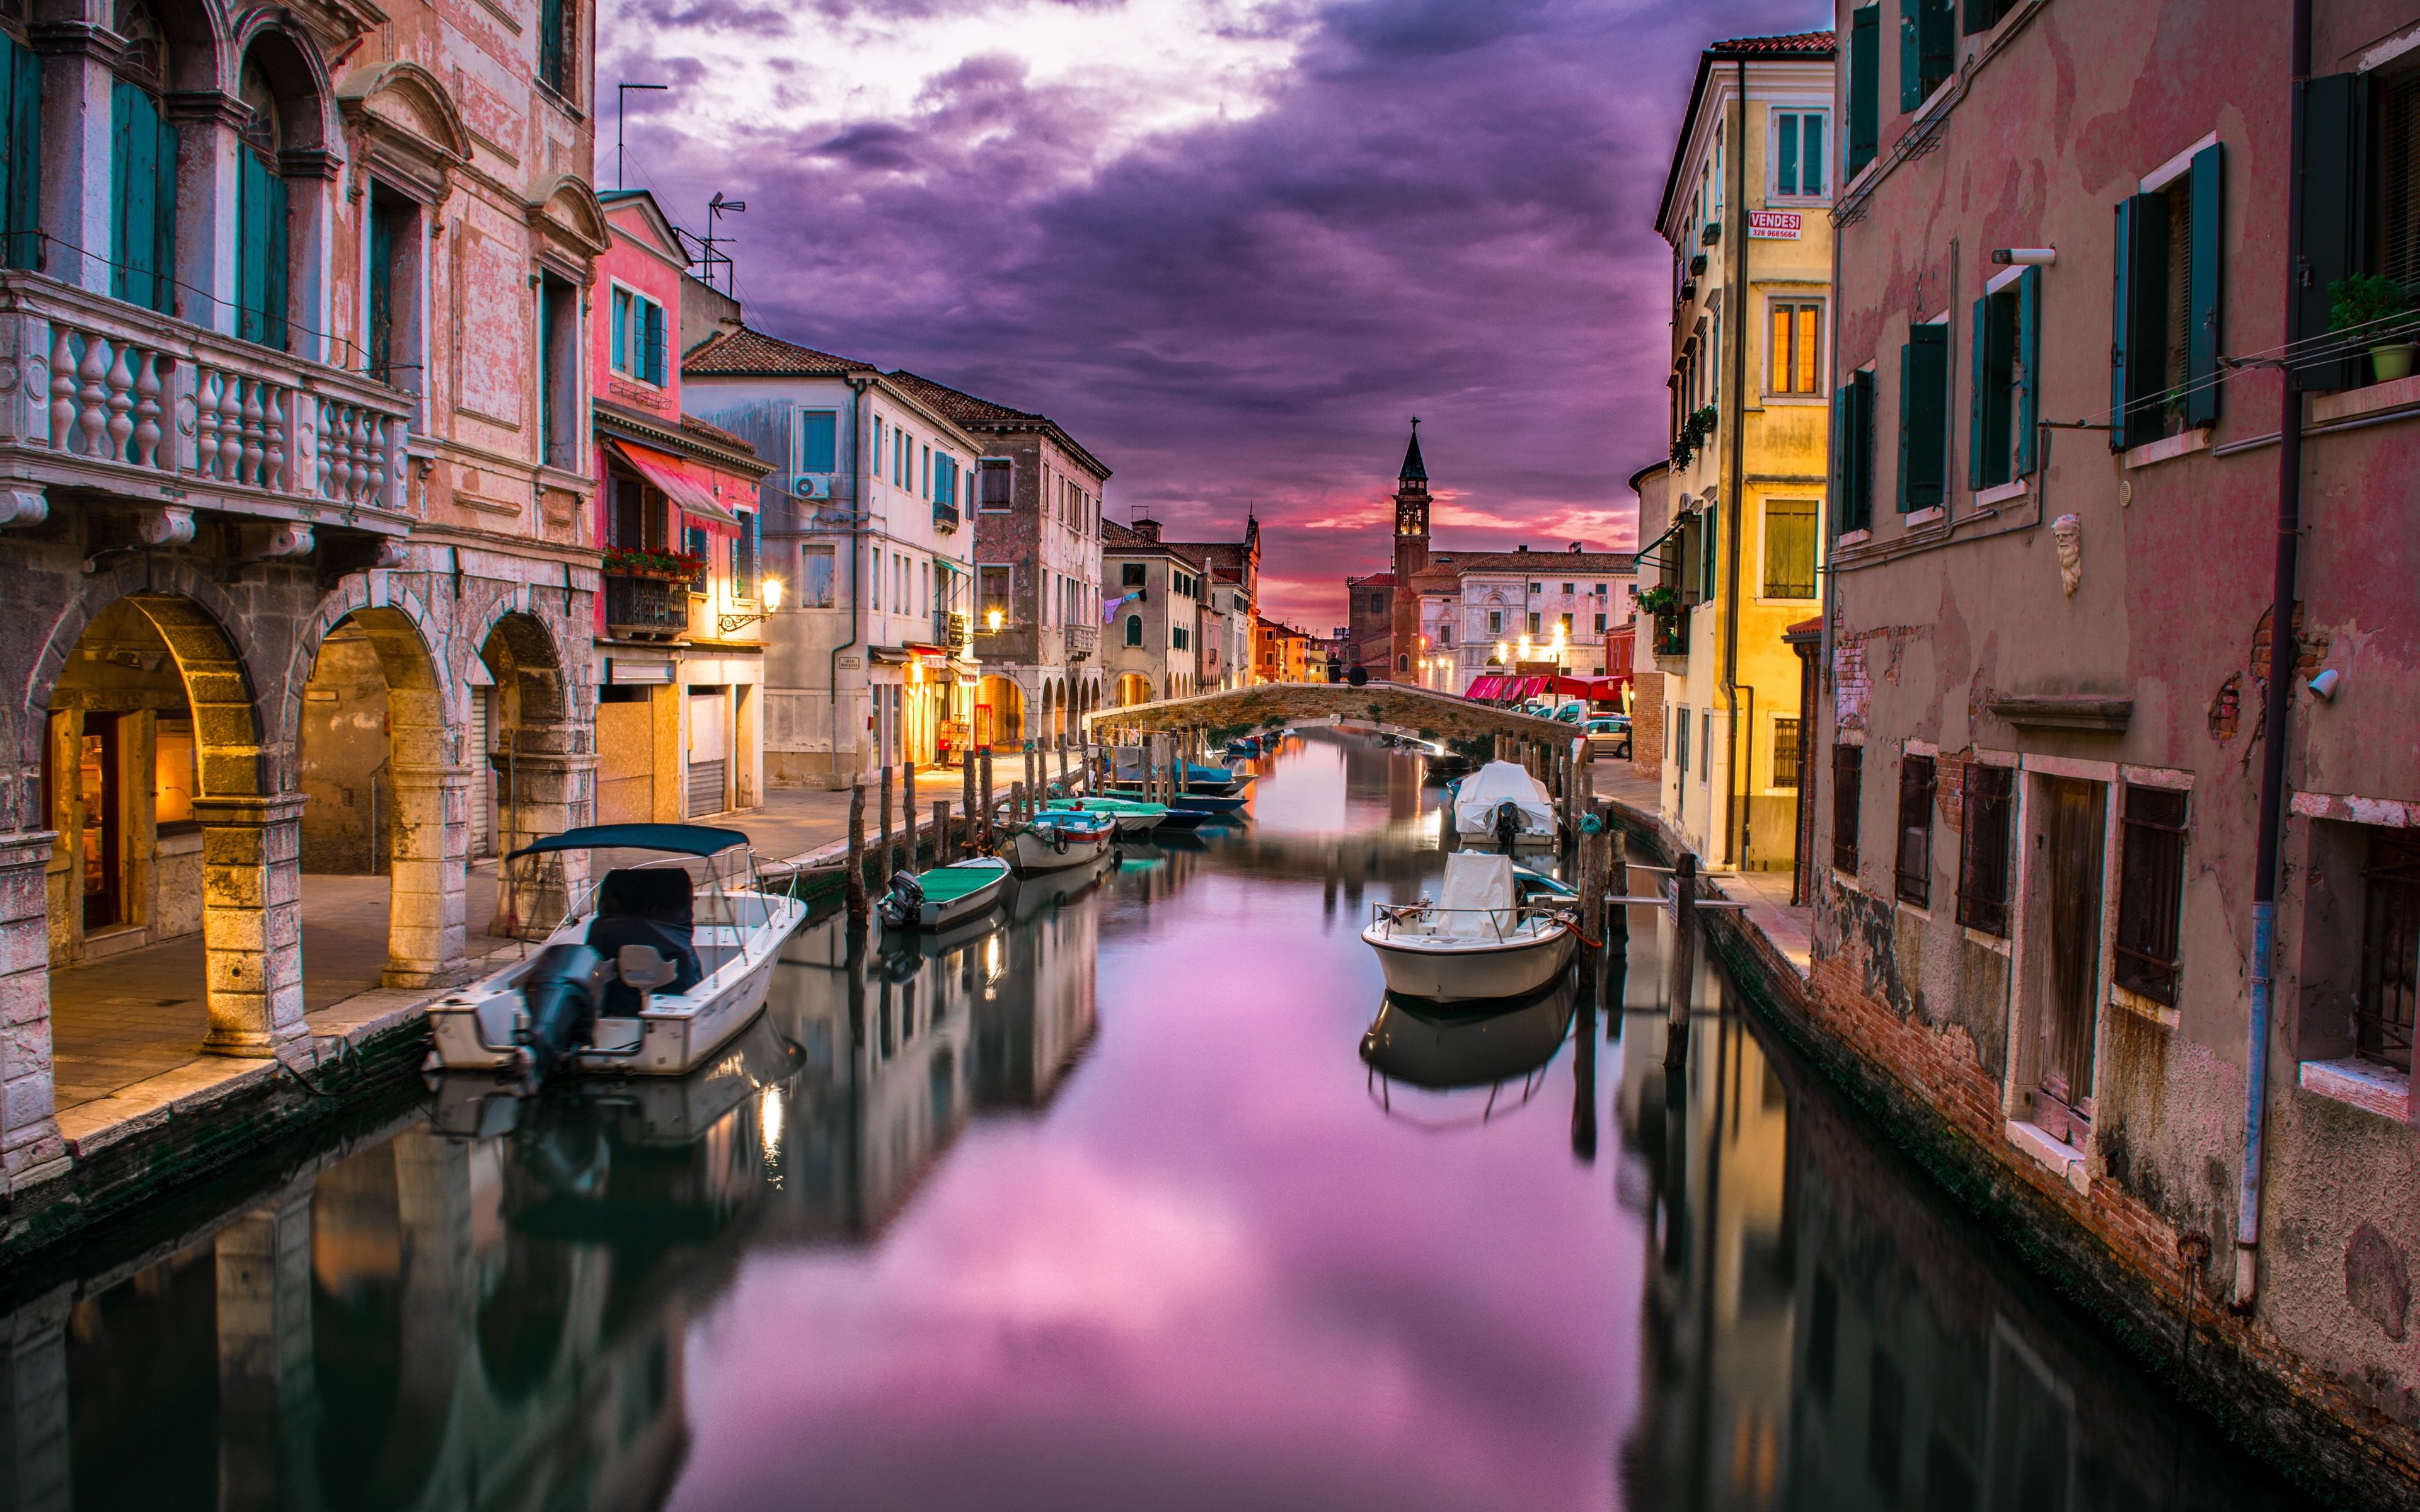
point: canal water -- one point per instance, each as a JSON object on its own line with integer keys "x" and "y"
{"x": 1136, "y": 1195}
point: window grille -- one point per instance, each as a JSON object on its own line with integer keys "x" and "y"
{"x": 1915, "y": 781}
{"x": 1990, "y": 804}
{"x": 2390, "y": 948}
{"x": 1848, "y": 773}
{"x": 1785, "y": 753}
{"x": 2150, "y": 888}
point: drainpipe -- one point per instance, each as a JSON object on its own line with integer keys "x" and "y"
{"x": 1734, "y": 793}
{"x": 2282, "y": 654}
{"x": 857, "y": 388}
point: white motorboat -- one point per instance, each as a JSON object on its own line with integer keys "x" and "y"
{"x": 943, "y": 896}
{"x": 1479, "y": 799}
{"x": 1476, "y": 942}
{"x": 1061, "y": 838}
{"x": 643, "y": 976}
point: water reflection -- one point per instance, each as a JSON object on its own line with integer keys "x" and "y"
{"x": 1092, "y": 1203}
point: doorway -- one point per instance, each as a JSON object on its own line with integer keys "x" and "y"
{"x": 2075, "y": 825}
{"x": 709, "y": 750}
{"x": 104, "y": 822}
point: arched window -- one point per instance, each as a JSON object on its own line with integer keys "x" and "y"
{"x": 1134, "y": 630}
{"x": 1403, "y": 664}
{"x": 143, "y": 165}
{"x": 260, "y": 216}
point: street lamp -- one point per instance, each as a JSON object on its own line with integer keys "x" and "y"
{"x": 991, "y": 619}
{"x": 768, "y": 594}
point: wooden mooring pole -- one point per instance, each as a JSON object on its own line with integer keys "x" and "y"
{"x": 1685, "y": 960}
{"x": 882, "y": 848}
{"x": 940, "y": 830}
{"x": 907, "y": 815}
{"x": 856, "y": 850}
{"x": 967, "y": 798}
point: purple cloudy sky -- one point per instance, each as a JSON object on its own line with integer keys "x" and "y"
{"x": 1231, "y": 245}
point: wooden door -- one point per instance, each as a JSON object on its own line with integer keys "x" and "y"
{"x": 2076, "y": 830}
{"x": 103, "y": 830}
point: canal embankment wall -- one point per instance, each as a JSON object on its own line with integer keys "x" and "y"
{"x": 2106, "y": 1253}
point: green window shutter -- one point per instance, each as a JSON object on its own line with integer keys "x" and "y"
{"x": 1980, "y": 374}
{"x": 1858, "y": 460}
{"x": 274, "y": 249}
{"x": 260, "y": 251}
{"x": 1865, "y": 85}
{"x": 1706, "y": 562}
{"x": 1911, "y": 55}
{"x": 1936, "y": 40}
{"x": 2120, "y": 324}
{"x": 1980, "y": 15}
{"x": 1839, "y": 469}
{"x": 655, "y": 344}
{"x": 1785, "y": 168}
{"x": 2143, "y": 310}
{"x": 2028, "y": 359}
{"x": 2204, "y": 279}
{"x": 2328, "y": 201}
{"x": 134, "y": 185}
{"x": 164, "y": 221}
{"x": 1923, "y": 419}
{"x": 381, "y": 279}
{"x": 21, "y": 154}
{"x": 621, "y": 353}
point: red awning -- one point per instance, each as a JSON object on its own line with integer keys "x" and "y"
{"x": 687, "y": 492}
{"x": 1483, "y": 687}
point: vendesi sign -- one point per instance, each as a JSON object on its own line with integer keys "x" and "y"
{"x": 1773, "y": 225}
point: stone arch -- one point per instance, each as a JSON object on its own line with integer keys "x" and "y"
{"x": 539, "y": 761}
{"x": 297, "y": 77}
{"x": 1043, "y": 728}
{"x": 194, "y": 33}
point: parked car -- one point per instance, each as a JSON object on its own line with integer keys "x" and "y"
{"x": 1609, "y": 736}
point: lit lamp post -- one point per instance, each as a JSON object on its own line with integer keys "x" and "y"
{"x": 769, "y": 595}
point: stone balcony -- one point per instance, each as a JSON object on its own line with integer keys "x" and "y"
{"x": 1081, "y": 640}
{"x": 109, "y": 398}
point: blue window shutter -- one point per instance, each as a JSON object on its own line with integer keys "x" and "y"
{"x": 1906, "y": 415}
{"x": 1980, "y": 374}
{"x": 1785, "y": 171}
{"x": 655, "y": 343}
{"x": 1911, "y": 55}
{"x": 2327, "y": 202}
{"x": 2028, "y": 359}
{"x": 1936, "y": 43}
{"x": 2120, "y": 323}
{"x": 274, "y": 250}
{"x": 1923, "y": 378}
{"x": 1839, "y": 510}
{"x": 20, "y": 153}
{"x": 163, "y": 219}
{"x": 1811, "y": 155}
{"x": 1865, "y": 85}
{"x": 134, "y": 181}
{"x": 2204, "y": 254}
{"x": 250, "y": 231}
{"x": 620, "y": 356}
{"x": 1861, "y": 449}
{"x": 2140, "y": 363}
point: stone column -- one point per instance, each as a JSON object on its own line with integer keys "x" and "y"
{"x": 74, "y": 189}
{"x": 426, "y": 930}
{"x": 540, "y": 792}
{"x": 252, "y": 921}
{"x": 29, "y": 1132}
{"x": 207, "y": 159}
{"x": 265, "y": 1370}
{"x": 35, "y": 1471}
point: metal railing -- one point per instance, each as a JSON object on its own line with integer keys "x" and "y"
{"x": 1536, "y": 915}
{"x": 142, "y": 396}
{"x": 648, "y": 605}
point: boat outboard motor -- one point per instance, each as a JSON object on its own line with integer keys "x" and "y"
{"x": 561, "y": 990}
{"x": 906, "y": 900}
{"x": 1508, "y": 825}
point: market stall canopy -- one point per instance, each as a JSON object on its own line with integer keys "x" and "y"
{"x": 671, "y": 475}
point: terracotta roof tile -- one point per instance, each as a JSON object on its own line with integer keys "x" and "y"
{"x": 745, "y": 353}
{"x": 1116, "y": 537}
{"x": 1791, "y": 44}
{"x": 963, "y": 408}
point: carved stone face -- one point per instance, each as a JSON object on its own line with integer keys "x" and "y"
{"x": 2067, "y": 533}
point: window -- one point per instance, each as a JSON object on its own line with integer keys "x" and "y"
{"x": 1496, "y": 622}
{"x": 900, "y": 444}
{"x": 2000, "y": 416}
{"x": 1853, "y": 454}
{"x": 558, "y": 338}
{"x": 1797, "y": 347}
{"x": 995, "y": 482}
{"x": 991, "y": 592}
{"x": 1705, "y": 745}
{"x": 260, "y": 227}
{"x": 1134, "y": 630}
{"x": 744, "y": 547}
{"x": 1711, "y": 526}
{"x": 1865, "y": 87}
{"x": 21, "y": 154}
{"x": 395, "y": 355}
{"x": 172, "y": 772}
{"x": 1567, "y": 626}
{"x": 1924, "y": 418}
{"x": 1982, "y": 15}
{"x": 1534, "y": 622}
{"x": 818, "y": 440}
{"x": 2150, "y": 890}
{"x": 1600, "y": 625}
{"x": 2390, "y": 948}
{"x": 1789, "y": 549}
{"x": 945, "y": 482}
{"x": 1785, "y": 753}
{"x": 1798, "y": 153}
{"x": 1916, "y": 778}
{"x": 1848, "y": 772}
{"x": 1378, "y": 603}
{"x": 638, "y": 337}
{"x": 1681, "y": 735}
{"x": 1567, "y": 589}
{"x": 1444, "y": 633}
{"x": 1180, "y": 638}
{"x": 1130, "y": 575}
{"x": 698, "y": 542}
{"x": 814, "y": 576}
{"x": 558, "y": 44}
{"x": 143, "y": 167}
{"x": 2359, "y": 205}
{"x": 925, "y": 476}
{"x": 640, "y": 516}
{"x": 1990, "y": 809}
{"x": 2164, "y": 345}
{"x": 1928, "y": 48}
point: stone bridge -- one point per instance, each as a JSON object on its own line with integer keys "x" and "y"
{"x": 1391, "y": 705}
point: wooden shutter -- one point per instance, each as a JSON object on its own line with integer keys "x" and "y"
{"x": 1980, "y": 14}
{"x": 1936, "y": 41}
{"x": 1857, "y": 465}
{"x": 143, "y": 176}
{"x": 260, "y": 250}
{"x": 2204, "y": 277}
{"x": 619, "y": 359}
{"x": 1865, "y": 84}
{"x": 1923, "y": 417}
{"x": 655, "y": 344}
{"x": 1979, "y": 372}
{"x": 1911, "y": 55}
{"x": 2028, "y": 358}
{"x": 382, "y": 277}
{"x": 21, "y": 154}
{"x": 2138, "y": 320}
{"x": 2328, "y": 202}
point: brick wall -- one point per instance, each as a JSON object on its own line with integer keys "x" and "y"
{"x": 1647, "y": 726}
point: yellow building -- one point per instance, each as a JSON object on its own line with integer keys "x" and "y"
{"x": 1746, "y": 212}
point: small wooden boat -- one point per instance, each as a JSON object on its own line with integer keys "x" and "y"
{"x": 643, "y": 977}
{"x": 1212, "y": 803}
{"x": 1476, "y": 941}
{"x": 1061, "y": 838}
{"x": 1133, "y": 815}
{"x": 944, "y": 895}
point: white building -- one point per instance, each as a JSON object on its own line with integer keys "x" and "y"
{"x": 1498, "y": 611}
{"x": 869, "y": 661}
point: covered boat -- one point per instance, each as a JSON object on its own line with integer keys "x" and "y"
{"x": 943, "y": 896}
{"x": 1062, "y": 837}
{"x": 1133, "y": 815}
{"x": 643, "y": 977}
{"x": 1476, "y": 942}
{"x": 1478, "y": 801}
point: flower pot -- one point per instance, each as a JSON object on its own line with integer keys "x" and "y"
{"x": 2392, "y": 360}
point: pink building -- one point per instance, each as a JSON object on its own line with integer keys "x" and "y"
{"x": 679, "y": 659}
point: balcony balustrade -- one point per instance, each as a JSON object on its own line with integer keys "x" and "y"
{"x": 645, "y": 609}
{"x": 114, "y": 397}
{"x": 1081, "y": 640}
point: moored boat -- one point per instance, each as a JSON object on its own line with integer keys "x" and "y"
{"x": 944, "y": 895}
{"x": 1476, "y": 942}
{"x": 1061, "y": 838}
{"x": 1133, "y": 815}
{"x": 1480, "y": 802}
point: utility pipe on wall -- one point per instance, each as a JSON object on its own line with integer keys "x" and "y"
{"x": 2282, "y": 654}
{"x": 1735, "y": 823}
{"x": 857, "y": 388}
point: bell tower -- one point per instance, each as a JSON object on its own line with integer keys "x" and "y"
{"x": 1411, "y": 556}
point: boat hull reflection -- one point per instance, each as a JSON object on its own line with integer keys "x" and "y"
{"x": 1427, "y": 1047}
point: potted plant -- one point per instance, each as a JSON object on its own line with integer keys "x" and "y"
{"x": 1658, "y": 601}
{"x": 2375, "y": 312}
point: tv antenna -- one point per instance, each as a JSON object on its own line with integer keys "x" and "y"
{"x": 622, "y": 110}
{"x": 715, "y": 209}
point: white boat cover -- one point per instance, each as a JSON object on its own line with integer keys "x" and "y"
{"x": 1476, "y": 902}
{"x": 1474, "y": 803}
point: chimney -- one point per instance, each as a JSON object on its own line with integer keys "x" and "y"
{"x": 1521, "y": 549}
{"x": 1145, "y": 527}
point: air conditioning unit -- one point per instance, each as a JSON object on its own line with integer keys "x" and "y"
{"x": 812, "y": 485}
